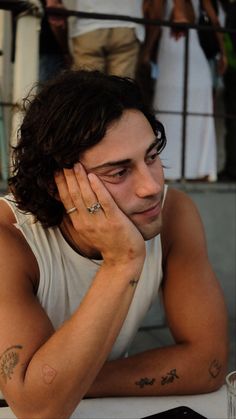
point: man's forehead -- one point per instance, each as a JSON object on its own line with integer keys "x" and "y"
{"x": 106, "y": 163}
{"x": 129, "y": 135}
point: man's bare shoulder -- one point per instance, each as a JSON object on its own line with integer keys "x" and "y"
{"x": 181, "y": 218}
{"x": 175, "y": 198}
{"x": 178, "y": 204}
{"x": 7, "y": 216}
{"x": 15, "y": 253}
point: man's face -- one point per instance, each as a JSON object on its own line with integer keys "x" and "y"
{"x": 127, "y": 162}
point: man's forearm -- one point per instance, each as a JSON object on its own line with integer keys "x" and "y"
{"x": 75, "y": 352}
{"x": 179, "y": 369}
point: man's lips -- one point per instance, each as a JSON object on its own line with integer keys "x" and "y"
{"x": 154, "y": 210}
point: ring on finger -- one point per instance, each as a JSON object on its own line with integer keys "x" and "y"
{"x": 70, "y": 210}
{"x": 94, "y": 208}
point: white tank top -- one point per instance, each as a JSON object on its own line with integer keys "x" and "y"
{"x": 65, "y": 277}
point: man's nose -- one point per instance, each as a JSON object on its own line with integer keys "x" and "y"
{"x": 147, "y": 182}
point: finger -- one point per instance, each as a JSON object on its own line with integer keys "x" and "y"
{"x": 73, "y": 189}
{"x": 88, "y": 195}
{"x": 104, "y": 197}
{"x": 63, "y": 190}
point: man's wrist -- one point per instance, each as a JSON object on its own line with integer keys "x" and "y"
{"x": 130, "y": 271}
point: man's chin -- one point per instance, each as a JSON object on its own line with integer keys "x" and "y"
{"x": 150, "y": 231}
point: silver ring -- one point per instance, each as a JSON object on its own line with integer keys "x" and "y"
{"x": 94, "y": 208}
{"x": 69, "y": 211}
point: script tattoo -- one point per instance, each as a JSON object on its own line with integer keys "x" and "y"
{"x": 145, "y": 382}
{"x": 215, "y": 368}
{"x": 133, "y": 282}
{"x": 169, "y": 377}
{"x": 8, "y": 361}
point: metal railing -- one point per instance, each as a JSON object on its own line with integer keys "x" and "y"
{"x": 22, "y": 6}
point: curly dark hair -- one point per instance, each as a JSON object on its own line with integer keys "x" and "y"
{"x": 68, "y": 115}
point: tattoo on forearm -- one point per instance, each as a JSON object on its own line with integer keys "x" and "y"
{"x": 215, "y": 368}
{"x": 48, "y": 374}
{"x": 145, "y": 382}
{"x": 8, "y": 361}
{"x": 133, "y": 282}
{"x": 169, "y": 377}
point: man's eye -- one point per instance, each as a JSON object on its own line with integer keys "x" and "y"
{"x": 118, "y": 174}
{"x": 114, "y": 176}
{"x": 152, "y": 157}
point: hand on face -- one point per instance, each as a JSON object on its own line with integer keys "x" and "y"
{"x": 108, "y": 230}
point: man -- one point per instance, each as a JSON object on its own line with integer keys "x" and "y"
{"x": 87, "y": 240}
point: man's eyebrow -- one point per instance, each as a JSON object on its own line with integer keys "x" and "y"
{"x": 122, "y": 162}
{"x": 110, "y": 164}
{"x": 154, "y": 143}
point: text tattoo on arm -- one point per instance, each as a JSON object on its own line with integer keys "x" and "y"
{"x": 169, "y": 377}
{"x": 145, "y": 382}
{"x": 8, "y": 361}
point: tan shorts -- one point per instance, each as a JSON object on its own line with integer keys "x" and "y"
{"x": 111, "y": 50}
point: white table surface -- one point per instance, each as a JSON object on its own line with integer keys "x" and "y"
{"x": 212, "y": 405}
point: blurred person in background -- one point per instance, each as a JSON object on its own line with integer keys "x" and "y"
{"x": 229, "y": 170}
{"x": 111, "y": 46}
{"x": 148, "y": 71}
{"x": 200, "y": 156}
{"x": 54, "y": 54}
